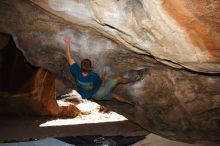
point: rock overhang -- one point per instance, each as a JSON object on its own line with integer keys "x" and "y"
{"x": 122, "y": 37}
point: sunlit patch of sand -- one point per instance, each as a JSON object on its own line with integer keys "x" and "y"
{"x": 86, "y": 106}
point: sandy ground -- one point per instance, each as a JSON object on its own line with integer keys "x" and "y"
{"x": 43, "y": 142}
{"x": 155, "y": 140}
{"x": 26, "y": 128}
{"x": 21, "y": 128}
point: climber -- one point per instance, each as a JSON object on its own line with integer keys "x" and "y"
{"x": 89, "y": 83}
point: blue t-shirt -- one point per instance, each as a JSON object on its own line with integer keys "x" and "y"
{"x": 87, "y": 86}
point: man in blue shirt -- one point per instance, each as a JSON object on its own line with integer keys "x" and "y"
{"x": 89, "y": 83}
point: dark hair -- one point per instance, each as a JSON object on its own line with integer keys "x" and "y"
{"x": 86, "y": 65}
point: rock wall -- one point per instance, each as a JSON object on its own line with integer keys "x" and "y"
{"x": 25, "y": 89}
{"x": 180, "y": 33}
{"x": 179, "y": 100}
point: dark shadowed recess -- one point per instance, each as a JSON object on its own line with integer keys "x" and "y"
{"x": 20, "y": 82}
{"x": 15, "y": 74}
{"x": 15, "y": 70}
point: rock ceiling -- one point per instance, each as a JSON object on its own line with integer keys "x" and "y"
{"x": 177, "y": 41}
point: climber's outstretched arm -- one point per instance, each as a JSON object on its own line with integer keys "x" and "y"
{"x": 68, "y": 54}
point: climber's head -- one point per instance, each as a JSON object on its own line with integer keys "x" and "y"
{"x": 86, "y": 65}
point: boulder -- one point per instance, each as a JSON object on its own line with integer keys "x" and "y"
{"x": 176, "y": 41}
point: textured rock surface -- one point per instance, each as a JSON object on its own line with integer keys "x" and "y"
{"x": 118, "y": 36}
{"x": 177, "y": 101}
{"x": 25, "y": 89}
{"x": 186, "y": 33}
